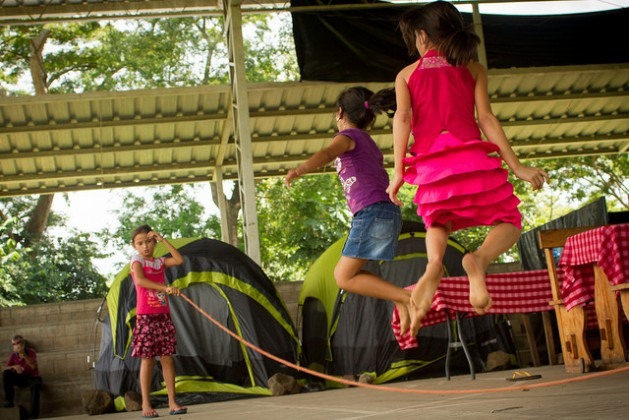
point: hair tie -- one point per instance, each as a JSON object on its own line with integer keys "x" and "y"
{"x": 366, "y": 104}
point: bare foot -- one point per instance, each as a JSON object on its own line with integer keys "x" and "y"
{"x": 405, "y": 320}
{"x": 479, "y": 296}
{"x": 423, "y": 294}
{"x": 148, "y": 413}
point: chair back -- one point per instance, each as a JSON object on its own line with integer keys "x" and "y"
{"x": 556, "y": 238}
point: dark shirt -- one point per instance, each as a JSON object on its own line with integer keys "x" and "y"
{"x": 15, "y": 359}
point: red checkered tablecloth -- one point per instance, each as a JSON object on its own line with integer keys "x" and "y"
{"x": 607, "y": 246}
{"x": 519, "y": 292}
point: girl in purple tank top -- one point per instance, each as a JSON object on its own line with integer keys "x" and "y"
{"x": 461, "y": 183}
{"x": 376, "y": 221}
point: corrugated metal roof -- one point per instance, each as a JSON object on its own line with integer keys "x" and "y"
{"x": 73, "y": 142}
{"x": 16, "y": 12}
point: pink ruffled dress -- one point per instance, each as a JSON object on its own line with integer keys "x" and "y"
{"x": 460, "y": 177}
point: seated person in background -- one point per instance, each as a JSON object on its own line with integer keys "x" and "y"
{"x": 21, "y": 370}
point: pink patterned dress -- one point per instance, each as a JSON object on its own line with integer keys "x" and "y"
{"x": 154, "y": 332}
{"x": 460, "y": 177}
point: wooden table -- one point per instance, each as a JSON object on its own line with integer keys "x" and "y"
{"x": 595, "y": 265}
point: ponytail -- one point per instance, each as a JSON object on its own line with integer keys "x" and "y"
{"x": 446, "y": 29}
{"x": 360, "y": 105}
{"x": 461, "y": 47}
{"x": 383, "y": 101}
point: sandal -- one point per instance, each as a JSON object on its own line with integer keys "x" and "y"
{"x": 520, "y": 375}
{"x": 178, "y": 410}
{"x": 149, "y": 414}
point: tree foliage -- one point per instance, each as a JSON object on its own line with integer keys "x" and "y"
{"x": 62, "y": 53}
{"x": 298, "y": 224}
{"x": 172, "y": 210}
{"x": 587, "y": 178}
{"x": 145, "y": 53}
{"x": 52, "y": 269}
{"x": 10, "y": 255}
{"x": 61, "y": 270}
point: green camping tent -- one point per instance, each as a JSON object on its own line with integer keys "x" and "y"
{"x": 210, "y": 365}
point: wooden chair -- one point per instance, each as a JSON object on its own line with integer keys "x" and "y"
{"x": 613, "y": 353}
{"x": 571, "y": 324}
{"x": 623, "y": 289}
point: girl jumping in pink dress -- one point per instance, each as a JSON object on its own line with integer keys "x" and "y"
{"x": 461, "y": 182}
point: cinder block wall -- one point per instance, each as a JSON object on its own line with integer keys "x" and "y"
{"x": 63, "y": 334}
{"x": 289, "y": 291}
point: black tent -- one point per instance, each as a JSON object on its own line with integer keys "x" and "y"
{"x": 210, "y": 365}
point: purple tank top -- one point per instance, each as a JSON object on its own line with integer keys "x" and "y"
{"x": 361, "y": 172}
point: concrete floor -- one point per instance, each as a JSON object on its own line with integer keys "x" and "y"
{"x": 591, "y": 396}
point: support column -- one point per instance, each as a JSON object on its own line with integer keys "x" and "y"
{"x": 478, "y": 28}
{"x": 222, "y": 204}
{"x": 242, "y": 132}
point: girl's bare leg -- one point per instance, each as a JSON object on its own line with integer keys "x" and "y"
{"x": 499, "y": 240}
{"x": 424, "y": 291}
{"x": 168, "y": 369}
{"x": 352, "y": 278}
{"x": 146, "y": 373}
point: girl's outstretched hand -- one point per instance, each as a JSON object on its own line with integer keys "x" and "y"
{"x": 172, "y": 290}
{"x": 535, "y": 176}
{"x": 394, "y": 187}
{"x": 292, "y": 174}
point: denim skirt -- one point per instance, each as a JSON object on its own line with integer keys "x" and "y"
{"x": 374, "y": 232}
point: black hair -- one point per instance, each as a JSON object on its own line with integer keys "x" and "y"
{"x": 446, "y": 29}
{"x": 360, "y": 105}
{"x": 138, "y": 230}
{"x": 20, "y": 339}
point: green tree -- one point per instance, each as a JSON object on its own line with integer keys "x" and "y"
{"x": 586, "y": 178}
{"x": 172, "y": 52}
{"x": 63, "y": 270}
{"x": 10, "y": 255}
{"x": 171, "y": 210}
{"x": 298, "y": 224}
{"x": 154, "y": 53}
{"x": 51, "y": 269}
{"x": 141, "y": 54}
{"x": 270, "y": 49}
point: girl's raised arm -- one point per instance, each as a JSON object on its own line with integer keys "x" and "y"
{"x": 401, "y": 132}
{"x": 176, "y": 258}
{"x": 340, "y": 144}
{"x": 491, "y": 127}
